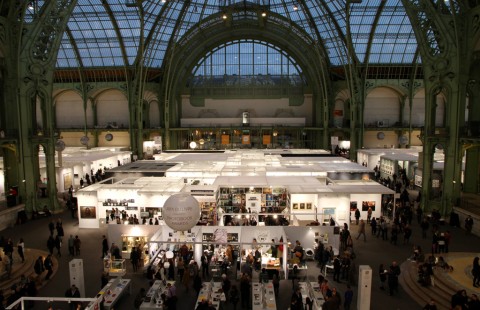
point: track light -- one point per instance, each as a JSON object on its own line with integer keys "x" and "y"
{"x": 295, "y": 7}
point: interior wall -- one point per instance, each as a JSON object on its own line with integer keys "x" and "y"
{"x": 381, "y": 105}
{"x": 230, "y": 108}
{"x": 154, "y": 115}
{"x": 112, "y": 107}
{"x": 360, "y": 198}
{"x": 120, "y": 138}
{"x": 69, "y": 110}
{"x": 380, "y": 139}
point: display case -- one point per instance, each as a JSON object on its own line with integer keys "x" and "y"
{"x": 115, "y": 267}
{"x": 232, "y": 200}
{"x": 129, "y": 242}
{"x": 209, "y": 213}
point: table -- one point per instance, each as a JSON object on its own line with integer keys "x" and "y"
{"x": 209, "y": 291}
{"x": 263, "y": 296}
{"x": 152, "y": 299}
{"x": 114, "y": 290}
{"x": 316, "y": 295}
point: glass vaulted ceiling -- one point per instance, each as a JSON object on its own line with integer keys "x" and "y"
{"x": 106, "y": 33}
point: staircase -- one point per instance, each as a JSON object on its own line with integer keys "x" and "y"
{"x": 26, "y": 269}
{"x": 444, "y": 286}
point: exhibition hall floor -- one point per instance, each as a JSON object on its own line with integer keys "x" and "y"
{"x": 372, "y": 252}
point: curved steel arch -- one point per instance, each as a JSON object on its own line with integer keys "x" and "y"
{"x": 185, "y": 55}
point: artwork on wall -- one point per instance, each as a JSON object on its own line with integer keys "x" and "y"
{"x": 302, "y": 206}
{"x": 67, "y": 180}
{"x": 353, "y": 205}
{"x": 88, "y": 213}
{"x": 295, "y": 206}
{"x": 368, "y": 204}
{"x": 309, "y": 206}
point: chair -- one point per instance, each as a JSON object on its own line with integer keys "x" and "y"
{"x": 309, "y": 254}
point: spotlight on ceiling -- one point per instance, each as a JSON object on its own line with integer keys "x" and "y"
{"x": 264, "y": 14}
{"x": 224, "y": 16}
{"x": 295, "y": 8}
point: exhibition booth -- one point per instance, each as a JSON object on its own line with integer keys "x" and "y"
{"x": 161, "y": 244}
{"x": 296, "y": 200}
{"x": 74, "y": 163}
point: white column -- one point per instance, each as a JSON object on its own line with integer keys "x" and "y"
{"x": 364, "y": 287}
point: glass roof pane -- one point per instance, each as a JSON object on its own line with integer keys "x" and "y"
{"x": 92, "y": 28}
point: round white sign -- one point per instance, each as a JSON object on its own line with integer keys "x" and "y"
{"x": 181, "y": 212}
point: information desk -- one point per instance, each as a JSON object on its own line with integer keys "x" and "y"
{"x": 153, "y": 300}
{"x": 312, "y": 290}
{"x": 263, "y": 296}
{"x": 301, "y": 271}
{"x": 209, "y": 292}
{"x": 271, "y": 263}
{"x": 316, "y": 295}
{"x": 115, "y": 289}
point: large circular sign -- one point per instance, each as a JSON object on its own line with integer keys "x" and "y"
{"x": 84, "y": 140}
{"x": 181, "y": 212}
{"x": 59, "y": 146}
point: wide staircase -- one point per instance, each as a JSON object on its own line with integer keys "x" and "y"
{"x": 26, "y": 269}
{"x": 444, "y": 285}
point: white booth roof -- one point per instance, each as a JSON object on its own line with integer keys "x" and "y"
{"x": 265, "y": 181}
{"x": 340, "y": 189}
{"x": 401, "y": 156}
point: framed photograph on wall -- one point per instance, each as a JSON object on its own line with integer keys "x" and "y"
{"x": 302, "y": 206}
{"x": 353, "y": 205}
{"x": 295, "y": 206}
{"x": 309, "y": 206}
{"x": 368, "y": 204}
{"x": 67, "y": 180}
{"x": 88, "y": 212}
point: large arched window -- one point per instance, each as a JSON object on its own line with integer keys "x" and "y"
{"x": 246, "y": 62}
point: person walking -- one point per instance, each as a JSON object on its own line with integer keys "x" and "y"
{"x": 392, "y": 275}
{"x": 48, "y": 264}
{"x": 357, "y": 216}
{"x": 60, "y": 231}
{"x": 21, "y": 249}
{"x": 76, "y": 244}
{"x": 58, "y": 245}
{"x": 71, "y": 246}
{"x": 383, "y": 275}
{"x": 361, "y": 230}
{"x": 134, "y": 259}
{"x": 468, "y": 224}
{"x": 104, "y": 246}
{"x": 51, "y": 227}
{"x": 476, "y": 272}
{"x": 74, "y": 293}
{"x": 348, "y": 296}
{"x": 38, "y": 267}
{"x": 50, "y": 244}
{"x": 245, "y": 291}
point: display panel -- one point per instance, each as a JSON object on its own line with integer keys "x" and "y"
{"x": 88, "y": 212}
{"x": 368, "y": 204}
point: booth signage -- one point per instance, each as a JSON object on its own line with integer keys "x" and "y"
{"x": 181, "y": 212}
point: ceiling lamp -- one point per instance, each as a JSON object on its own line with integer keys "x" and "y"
{"x": 264, "y": 14}
{"x": 224, "y": 16}
{"x": 30, "y": 6}
{"x": 295, "y": 7}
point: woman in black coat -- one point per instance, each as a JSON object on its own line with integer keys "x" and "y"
{"x": 476, "y": 272}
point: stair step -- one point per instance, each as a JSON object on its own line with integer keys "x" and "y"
{"x": 439, "y": 293}
{"x": 26, "y": 269}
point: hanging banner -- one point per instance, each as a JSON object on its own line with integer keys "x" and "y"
{"x": 267, "y": 139}
{"x": 225, "y": 139}
{"x": 246, "y": 139}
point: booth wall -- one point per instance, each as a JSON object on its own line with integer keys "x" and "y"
{"x": 360, "y": 199}
{"x": 307, "y": 236}
{"x": 91, "y": 220}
